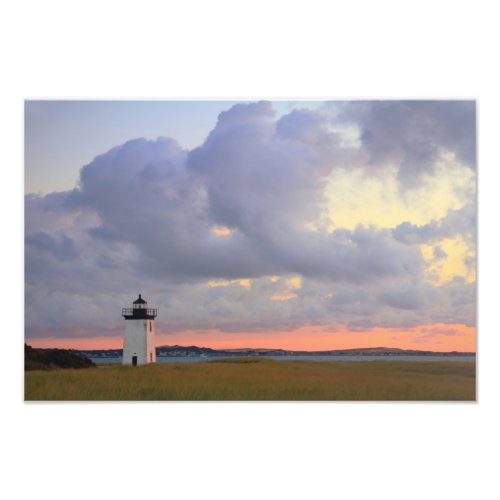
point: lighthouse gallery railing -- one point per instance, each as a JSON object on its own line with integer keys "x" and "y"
{"x": 129, "y": 313}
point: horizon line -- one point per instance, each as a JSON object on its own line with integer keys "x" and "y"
{"x": 269, "y": 349}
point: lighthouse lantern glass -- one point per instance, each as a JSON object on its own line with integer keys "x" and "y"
{"x": 140, "y": 303}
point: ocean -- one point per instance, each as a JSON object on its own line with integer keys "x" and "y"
{"x": 194, "y": 359}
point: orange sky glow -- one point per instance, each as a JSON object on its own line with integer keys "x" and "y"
{"x": 436, "y": 337}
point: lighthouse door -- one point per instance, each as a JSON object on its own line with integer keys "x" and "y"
{"x": 134, "y": 360}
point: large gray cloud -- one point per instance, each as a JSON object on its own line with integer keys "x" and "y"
{"x": 411, "y": 135}
{"x": 250, "y": 176}
{"x": 143, "y": 214}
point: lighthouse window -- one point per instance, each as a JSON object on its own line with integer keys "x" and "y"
{"x": 150, "y": 326}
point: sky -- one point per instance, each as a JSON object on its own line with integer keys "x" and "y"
{"x": 304, "y": 225}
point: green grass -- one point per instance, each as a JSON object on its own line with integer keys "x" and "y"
{"x": 257, "y": 379}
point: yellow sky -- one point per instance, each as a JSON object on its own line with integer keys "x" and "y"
{"x": 353, "y": 198}
{"x": 454, "y": 263}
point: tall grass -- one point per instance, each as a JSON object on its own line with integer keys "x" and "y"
{"x": 257, "y": 379}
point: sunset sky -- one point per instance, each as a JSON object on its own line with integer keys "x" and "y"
{"x": 300, "y": 225}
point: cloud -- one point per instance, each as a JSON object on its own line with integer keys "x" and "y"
{"x": 438, "y": 253}
{"x": 150, "y": 217}
{"x": 411, "y": 135}
{"x": 257, "y": 178}
{"x": 63, "y": 249}
{"x": 460, "y": 222}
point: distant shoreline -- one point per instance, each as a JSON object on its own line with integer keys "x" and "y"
{"x": 106, "y": 360}
{"x": 316, "y": 359}
{"x": 195, "y": 351}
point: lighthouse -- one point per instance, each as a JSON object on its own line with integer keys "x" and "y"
{"x": 139, "y": 338}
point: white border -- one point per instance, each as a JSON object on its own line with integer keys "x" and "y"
{"x": 224, "y": 49}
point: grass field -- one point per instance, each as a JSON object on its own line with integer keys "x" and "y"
{"x": 257, "y": 379}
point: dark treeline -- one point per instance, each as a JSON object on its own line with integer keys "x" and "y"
{"x": 47, "y": 359}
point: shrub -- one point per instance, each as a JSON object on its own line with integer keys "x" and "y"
{"x": 47, "y": 359}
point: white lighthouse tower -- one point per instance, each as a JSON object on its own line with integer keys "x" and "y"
{"x": 139, "y": 339}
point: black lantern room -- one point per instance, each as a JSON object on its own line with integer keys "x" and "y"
{"x": 139, "y": 310}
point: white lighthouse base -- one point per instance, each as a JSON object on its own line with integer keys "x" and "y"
{"x": 139, "y": 342}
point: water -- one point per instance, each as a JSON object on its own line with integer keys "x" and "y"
{"x": 194, "y": 359}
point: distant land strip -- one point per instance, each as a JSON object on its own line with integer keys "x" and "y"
{"x": 183, "y": 351}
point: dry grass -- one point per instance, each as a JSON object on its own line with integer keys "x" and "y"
{"x": 257, "y": 379}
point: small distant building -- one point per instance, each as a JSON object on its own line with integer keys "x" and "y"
{"x": 139, "y": 339}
